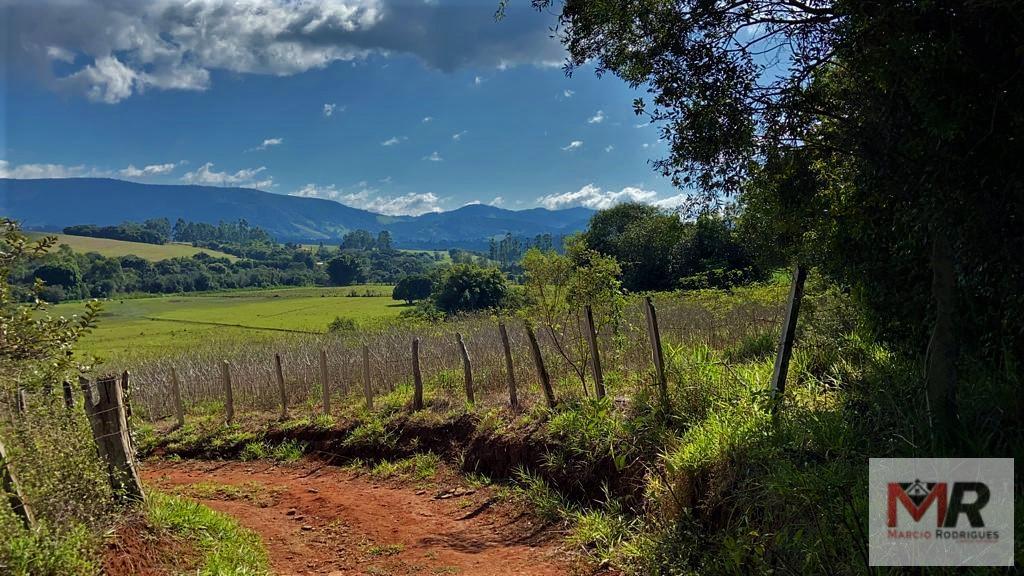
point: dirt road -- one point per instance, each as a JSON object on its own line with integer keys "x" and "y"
{"x": 316, "y": 519}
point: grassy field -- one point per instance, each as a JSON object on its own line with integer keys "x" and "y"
{"x": 113, "y": 248}
{"x": 167, "y": 324}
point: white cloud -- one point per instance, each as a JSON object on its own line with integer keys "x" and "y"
{"x": 596, "y": 118}
{"x": 458, "y": 135}
{"x": 497, "y": 201}
{"x": 268, "y": 143}
{"x": 331, "y": 108}
{"x": 246, "y": 178}
{"x": 592, "y": 196}
{"x": 609, "y": 148}
{"x": 27, "y": 171}
{"x": 478, "y": 80}
{"x": 150, "y": 170}
{"x": 434, "y": 157}
{"x": 393, "y": 140}
{"x": 368, "y": 198}
{"x": 568, "y": 93}
{"x": 574, "y": 145}
{"x": 672, "y": 202}
{"x": 427, "y": 119}
{"x": 125, "y": 48}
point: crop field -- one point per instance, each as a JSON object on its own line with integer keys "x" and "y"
{"x": 147, "y": 327}
{"x": 117, "y": 248}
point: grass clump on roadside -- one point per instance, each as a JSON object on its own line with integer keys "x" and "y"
{"x": 225, "y": 546}
{"x": 287, "y": 451}
{"x": 416, "y": 467}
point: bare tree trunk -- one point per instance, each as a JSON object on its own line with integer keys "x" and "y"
{"x": 940, "y": 360}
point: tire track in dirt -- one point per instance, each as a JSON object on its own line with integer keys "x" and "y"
{"x": 327, "y": 520}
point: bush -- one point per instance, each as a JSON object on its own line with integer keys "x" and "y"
{"x": 412, "y": 288}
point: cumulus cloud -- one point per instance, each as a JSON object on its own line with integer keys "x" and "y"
{"x": 246, "y": 177}
{"x": 497, "y": 201}
{"x": 393, "y": 140}
{"x": 594, "y": 197}
{"x": 568, "y": 93}
{"x": 597, "y": 118}
{"x": 116, "y": 49}
{"x": 427, "y": 119}
{"x": 27, "y": 171}
{"x": 574, "y": 145}
{"x": 458, "y": 135}
{"x": 478, "y": 80}
{"x": 368, "y": 198}
{"x": 434, "y": 157}
{"x": 609, "y": 148}
{"x": 151, "y": 170}
{"x": 330, "y": 108}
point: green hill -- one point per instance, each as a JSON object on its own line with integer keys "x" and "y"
{"x": 114, "y": 248}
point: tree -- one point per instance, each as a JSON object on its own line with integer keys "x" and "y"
{"x": 384, "y": 241}
{"x": 63, "y": 274}
{"x": 346, "y": 269}
{"x": 412, "y": 288}
{"x": 468, "y": 288}
{"x": 558, "y": 286}
{"x": 904, "y": 113}
{"x": 640, "y": 237}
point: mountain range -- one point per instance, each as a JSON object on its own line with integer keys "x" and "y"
{"x": 53, "y": 203}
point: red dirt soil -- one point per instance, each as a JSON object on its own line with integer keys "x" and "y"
{"x": 316, "y": 519}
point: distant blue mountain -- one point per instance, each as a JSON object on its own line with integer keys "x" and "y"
{"x": 52, "y": 204}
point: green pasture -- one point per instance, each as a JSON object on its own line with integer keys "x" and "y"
{"x": 117, "y": 248}
{"x": 176, "y": 323}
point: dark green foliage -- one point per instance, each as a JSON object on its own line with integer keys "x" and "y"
{"x": 467, "y": 288}
{"x": 659, "y": 251}
{"x": 63, "y": 274}
{"x": 155, "y": 231}
{"x": 346, "y": 269}
{"x": 240, "y": 232}
{"x": 412, "y": 288}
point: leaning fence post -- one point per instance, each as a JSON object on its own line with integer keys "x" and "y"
{"x": 110, "y": 431}
{"x": 595, "y": 355}
{"x": 656, "y": 353}
{"x": 542, "y": 372}
{"x": 467, "y": 368}
{"x": 796, "y": 293}
{"x": 367, "y": 389}
{"x": 179, "y": 407}
{"x": 513, "y": 397}
{"x": 417, "y": 377}
{"x": 21, "y": 400}
{"x": 325, "y": 386}
{"x": 229, "y": 397}
{"x": 10, "y": 485}
{"x": 279, "y": 374}
{"x": 69, "y": 397}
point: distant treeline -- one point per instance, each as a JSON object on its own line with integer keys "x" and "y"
{"x": 159, "y": 231}
{"x": 154, "y": 231}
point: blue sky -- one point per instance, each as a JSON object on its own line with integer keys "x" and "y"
{"x": 395, "y": 106}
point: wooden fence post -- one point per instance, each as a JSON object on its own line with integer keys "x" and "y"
{"x": 69, "y": 397}
{"x": 279, "y": 374}
{"x": 542, "y": 372}
{"x": 656, "y": 353}
{"x": 467, "y": 368}
{"x": 325, "y": 384}
{"x": 513, "y": 397}
{"x": 796, "y": 293}
{"x": 10, "y": 485}
{"x": 179, "y": 407}
{"x": 229, "y": 397}
{"x": 21, "y": 400}
{"x": 595, "y": 355}
{"x": 367, "y": 388}
{"x": 110, "y": 431}
{"x": 417, "y": 377}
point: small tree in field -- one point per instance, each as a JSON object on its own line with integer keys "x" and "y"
{"x": 467, "y": 288}
{"x": 346, "y": 270}
{"x": 559, "y": 286}
{"x": 412, "y": 288}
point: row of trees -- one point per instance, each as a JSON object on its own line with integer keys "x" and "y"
{"x": 240, "y": 232}
{"x": 154, "y": 231}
